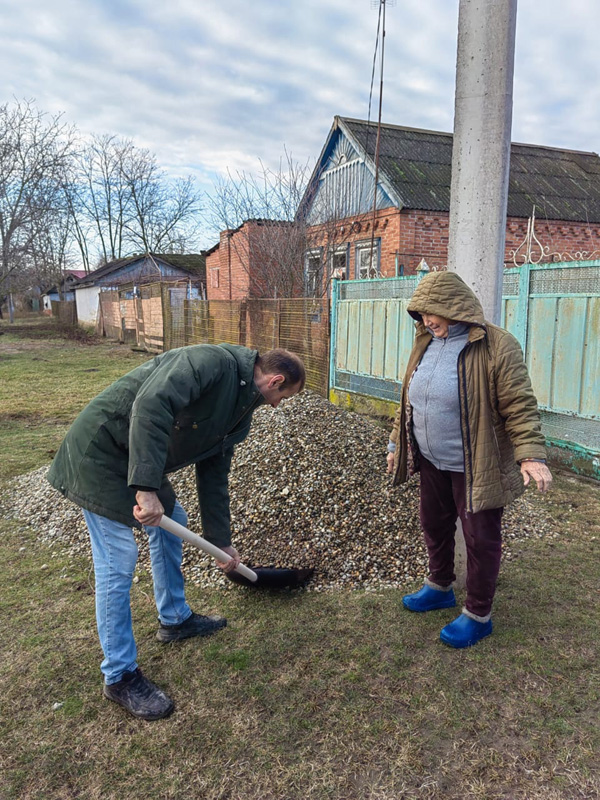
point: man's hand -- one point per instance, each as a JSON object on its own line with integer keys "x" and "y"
{"x": 149, "y": 509}
{"x": 539, "y": 472}
{"x": 390, "y": 462}
{"x": 229, "y": 566}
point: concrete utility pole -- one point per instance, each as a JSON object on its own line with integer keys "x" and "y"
{"x": 481, "y": 161}
{"x": 481, "y": 149}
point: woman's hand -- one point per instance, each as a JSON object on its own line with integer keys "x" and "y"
{"x": 390, "y": 462}
{"x": 229, "y": 566}
{"x": 149, "y": 509}
{"x": 539, "y": 472}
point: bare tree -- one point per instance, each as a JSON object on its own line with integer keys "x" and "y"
{"x": 101, "y": 200}
{"x": 162, "y": 215}
{"x": 51, "y": 248}
{"x": 78, "y": 221}
{"x": 124, "y": 202}
{"x": 272, "y": 241}
{"x": 290, "y": 246}
{"x": 34, "y": 154}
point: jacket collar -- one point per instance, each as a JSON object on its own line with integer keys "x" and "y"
{"x": 476, "y": 332}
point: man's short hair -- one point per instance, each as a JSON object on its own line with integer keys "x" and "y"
{"x": 282, "y": 362}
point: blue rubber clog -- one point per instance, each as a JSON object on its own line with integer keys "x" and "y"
{"x": 428, "y": 599}
{"x": 465, "y": 631}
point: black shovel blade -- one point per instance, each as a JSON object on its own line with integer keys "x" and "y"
{"x": 274, "y": 577}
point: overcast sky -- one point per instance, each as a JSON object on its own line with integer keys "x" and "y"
{"x": 209, "y": 85}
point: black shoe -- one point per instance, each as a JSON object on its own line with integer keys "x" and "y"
{"x": 139, "y": 696}
{"x": 196, "y": 625}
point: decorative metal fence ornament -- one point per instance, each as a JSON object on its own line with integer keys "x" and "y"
{"x": 534, "y": 252}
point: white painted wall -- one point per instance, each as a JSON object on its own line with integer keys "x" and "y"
{"x": 87, "y": 304}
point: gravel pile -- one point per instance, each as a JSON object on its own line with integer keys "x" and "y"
{"x": 308, "y": 488}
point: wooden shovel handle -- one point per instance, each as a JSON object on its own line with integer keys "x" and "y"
{"x": 212, "y": 550}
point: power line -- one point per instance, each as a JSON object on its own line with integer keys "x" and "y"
{"x": 380, "y": 27}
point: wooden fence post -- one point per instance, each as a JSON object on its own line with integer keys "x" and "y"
{"x": 166, "y": 316}
{"x": 243, "y": 323}
{"x": 522, "y": 320}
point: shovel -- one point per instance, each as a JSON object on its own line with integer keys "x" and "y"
{"x": 259, "y": 577}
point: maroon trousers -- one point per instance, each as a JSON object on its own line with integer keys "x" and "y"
{"x": 442, "y": 502}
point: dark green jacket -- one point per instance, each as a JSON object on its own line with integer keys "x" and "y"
{"x": 186, "y": 406}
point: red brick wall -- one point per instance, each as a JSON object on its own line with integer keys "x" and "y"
{"x": 425, "y": 235}
{"x": 357, "y": 230}
{"x": 404, "y": 237}
{"x": 574, "y": 241}
{"x": 250, "y": 255}
{"x": 226, "y": 275}
{"x": 409, "y": 236}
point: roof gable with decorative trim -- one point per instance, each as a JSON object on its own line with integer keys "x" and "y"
{"x": 415, "y": 173}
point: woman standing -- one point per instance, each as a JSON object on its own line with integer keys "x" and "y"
{"x": 468, "y": 421}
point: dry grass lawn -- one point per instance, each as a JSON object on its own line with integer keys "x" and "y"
{"x": 303, "y": 696}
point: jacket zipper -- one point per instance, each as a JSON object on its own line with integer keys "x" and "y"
{"x": 437, "y": 361}
{"x": 462, "y": 397}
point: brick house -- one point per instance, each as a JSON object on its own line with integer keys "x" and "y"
{"x": 410, "y": 222}
{"x": 260, "y": 258}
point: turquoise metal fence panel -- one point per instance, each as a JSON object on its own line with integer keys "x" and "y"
{"x": 379, "y": 338}
{"x": 353, "y": 336}
{"x": 393, "y": 315}
{"x": 590, "y": 389}
{"x": 340, "y": 326}
{"x": 509, "y": 314}
{"x": 566, "y": 360}
{"x": 542, "y": 319}
{"x": 562, "y": 337}
{"x": 372, "y": 335}
{"x": 366, "y": 340}
{"x": 552, "y": 309}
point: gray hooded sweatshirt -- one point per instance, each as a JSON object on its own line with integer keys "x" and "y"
{"x": 433, "y": 395}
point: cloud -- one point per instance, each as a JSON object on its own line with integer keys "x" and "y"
{"x": 218, "y": 85}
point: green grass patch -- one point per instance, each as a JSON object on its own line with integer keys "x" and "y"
{"x": 303, "y": 696}
{"x": 48, "y": 373}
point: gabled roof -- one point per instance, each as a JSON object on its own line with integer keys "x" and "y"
{"x": 192, "y": 263}
{"x": 416, "y": 166}
{"x": 68, "y": 278}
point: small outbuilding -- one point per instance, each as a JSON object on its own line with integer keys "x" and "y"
{"x": 139, "y": 270}
{"x": 63, "y": 290}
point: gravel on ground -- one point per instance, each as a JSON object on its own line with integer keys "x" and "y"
{"x": 308, "y": 488}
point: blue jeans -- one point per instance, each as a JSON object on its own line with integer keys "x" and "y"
{"x": 115, "y": 555}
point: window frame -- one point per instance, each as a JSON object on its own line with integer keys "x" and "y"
{"x": 313, "y": 279}
{"x": 362, "y": 246}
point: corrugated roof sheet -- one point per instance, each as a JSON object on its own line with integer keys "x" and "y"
{"x": 194, "y": 263}
{"x": 562, "y": 184}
